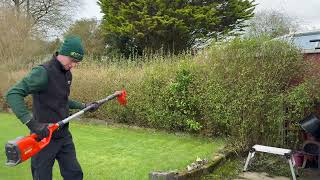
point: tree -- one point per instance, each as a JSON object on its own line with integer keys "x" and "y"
{"x": 170, "y": 25}
{"x": 17, "y": 45}
{"x": 44, "y": 14}
{"x": 91, "y": 35}
{"x": 270, "y": 23}
{"x": 54, "y": 45}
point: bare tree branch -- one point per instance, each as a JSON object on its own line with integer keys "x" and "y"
{"x": 45, "y": 14}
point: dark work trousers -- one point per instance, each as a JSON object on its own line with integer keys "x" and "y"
{"x": 63, "y": 151}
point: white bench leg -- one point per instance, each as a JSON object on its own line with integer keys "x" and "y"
{"x": 304, "y": 161}
{"x": 250, "y": 155}
{"x": 291, "y": 169}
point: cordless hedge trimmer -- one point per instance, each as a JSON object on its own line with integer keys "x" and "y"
{"x": 22, "y": 148}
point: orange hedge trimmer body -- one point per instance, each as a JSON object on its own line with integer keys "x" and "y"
{"x": 22, "y": 148}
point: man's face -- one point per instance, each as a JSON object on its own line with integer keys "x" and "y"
{"x": 68, "y": 62}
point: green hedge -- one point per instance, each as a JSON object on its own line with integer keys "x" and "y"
{"x": 242, "y": 90}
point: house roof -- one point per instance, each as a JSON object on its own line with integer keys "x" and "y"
{"x": 302, "y": 40}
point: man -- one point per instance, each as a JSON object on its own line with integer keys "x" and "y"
{"x": 49, "y": 85}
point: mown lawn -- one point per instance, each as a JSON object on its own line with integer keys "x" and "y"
{"x": 113, "y": 152}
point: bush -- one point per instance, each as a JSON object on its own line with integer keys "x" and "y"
{"x": 242, "y": 90}
{"x": 246, "y": 90}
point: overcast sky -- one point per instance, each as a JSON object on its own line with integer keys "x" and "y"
{"x": 89, "y": 9}
{"x": 306, "y": 12}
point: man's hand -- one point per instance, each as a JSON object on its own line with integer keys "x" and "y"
{"x": 40, "y": 129}
{"x": 94, "y": 107}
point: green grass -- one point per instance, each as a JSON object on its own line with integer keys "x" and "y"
{"x": 113, "y": 152}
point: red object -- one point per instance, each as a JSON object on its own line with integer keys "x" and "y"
{"x": 22, "y": 148}
{"x": 122, "y": 98}
{"x": 31, "y": 146}
{"x": 298, "y": 158}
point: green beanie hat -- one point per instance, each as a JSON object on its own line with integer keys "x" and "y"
{"x": 72, "y": 47}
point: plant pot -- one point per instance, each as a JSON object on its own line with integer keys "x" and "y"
{"x": 298, "y": 158}
{"x": 311, "y": 124}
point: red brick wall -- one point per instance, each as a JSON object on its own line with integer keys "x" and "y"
{"x": 315, "y": 70}
{"x": 313, "y": 57}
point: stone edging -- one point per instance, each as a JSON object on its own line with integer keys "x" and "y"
{"x": 215, "y": 162}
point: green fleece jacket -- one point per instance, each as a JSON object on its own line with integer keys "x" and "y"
{"x": 35, "y": 81}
